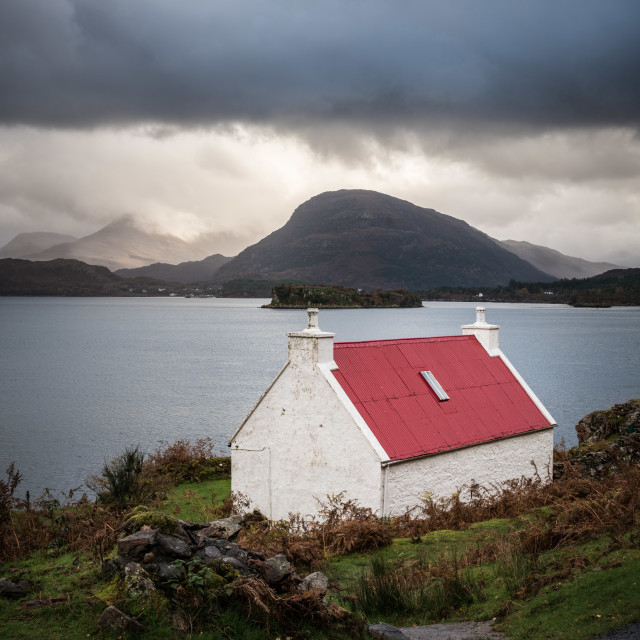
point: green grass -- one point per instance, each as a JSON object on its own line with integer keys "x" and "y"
{"x": 76, "y": 578}
{"x": 69, "y": 576}
{"x": 593, "y": 603}
{"x": 574, "y": 592}
{"x": 592, "y": 589}
{"x": 193, "y": 501}
{"x": 345, "y": 569}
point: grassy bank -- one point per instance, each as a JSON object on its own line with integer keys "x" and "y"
{"x": 554, "y": 561}
{"x": 574, "y": 592}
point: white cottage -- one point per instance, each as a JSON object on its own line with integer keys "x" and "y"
{"x": 388, "y": 421}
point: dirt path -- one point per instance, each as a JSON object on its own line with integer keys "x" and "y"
{"x": 472, "y": 631}
{"x": 450, "y": 631}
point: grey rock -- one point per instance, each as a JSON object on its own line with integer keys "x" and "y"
{"x": 277, "y": 569}
{"x": 113, "y": 618}
{"x": 168, "y": 571}
{"x": 622, "y": 419}
{"x": 209, "y": 553}
{"x": 226, "y": 528}
{"x": 137, "y": 581}
{"x": 172, "y": 546}
{"x": 138, "y": 543}
{"x": 314, "y": 581}
{"x": 256, "y": 555}
{"x": 191, "y": 526}
{"x": 236, "y": 564}
{"x": 384, "y": 630}
{"x": 232, "y": 550}
{"x": 10, "y": 589}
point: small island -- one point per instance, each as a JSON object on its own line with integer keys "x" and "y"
{"x": 294, "y": 296}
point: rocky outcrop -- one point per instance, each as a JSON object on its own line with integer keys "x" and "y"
{"x": 157, "y": 552}
{"x": 607, "y": 440}
{"x": 620, "y": 420}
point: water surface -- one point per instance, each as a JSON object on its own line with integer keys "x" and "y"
{"x": 83, "y": 378}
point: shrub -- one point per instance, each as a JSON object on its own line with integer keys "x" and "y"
{"x": 186, "y": 461}
{"x": 119, "y": 480}
{"x": 345, "y": 528}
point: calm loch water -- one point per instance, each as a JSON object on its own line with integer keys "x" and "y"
{"x": 83, "y": 378}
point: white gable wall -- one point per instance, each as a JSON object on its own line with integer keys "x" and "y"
{"x": 444, "y": 474}
{"x": 305, "y": 440}
{"x": 300, "y": 443}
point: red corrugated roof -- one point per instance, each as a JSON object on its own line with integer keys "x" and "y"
{"x": 382, "y": 378}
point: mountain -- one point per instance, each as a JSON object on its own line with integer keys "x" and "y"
{"x": 185, "y": 272}
{"x": 555, "y": 263}
{"x": 25, "y": 244}
{"x": 123, "y": 244}
{"x": 371, "y": 240}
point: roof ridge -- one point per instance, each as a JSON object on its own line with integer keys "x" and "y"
{"x": 389, "y": 341}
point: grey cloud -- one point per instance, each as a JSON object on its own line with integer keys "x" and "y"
{"x": 374, "y": 63}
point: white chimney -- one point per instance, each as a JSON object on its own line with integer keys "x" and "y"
{"x": 487, "y": 334}
{"x": 310, "y": 346}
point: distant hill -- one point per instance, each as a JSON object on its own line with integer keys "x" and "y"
{"x": 619, "y": 287}
{"x": 185, "y": 272}
{"x": 25, "y": 244}
{"x": 123, "y": 244}
{"x": 555, "y": 263}
{"x": 358, "y": 238}
{"x": 62, "y": 277}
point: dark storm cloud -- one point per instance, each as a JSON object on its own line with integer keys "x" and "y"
{"x": 81, "y": 63}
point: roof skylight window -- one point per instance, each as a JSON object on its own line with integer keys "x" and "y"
{"x": 435, "y": 385}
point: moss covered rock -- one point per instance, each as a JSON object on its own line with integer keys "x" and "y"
{"x": 141, "y": 516}
{"x": 621, "y": 420}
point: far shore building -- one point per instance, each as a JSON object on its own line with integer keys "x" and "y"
{"x": 389, "y": 423}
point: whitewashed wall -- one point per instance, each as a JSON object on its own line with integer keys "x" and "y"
{"x": 300, "y": 444}
{"x": 443, "y": 474}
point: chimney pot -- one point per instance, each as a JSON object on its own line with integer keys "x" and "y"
{"x": 310, "y": 346}
{"x": 487, "y": 334}
{"x": 312, "y": 324}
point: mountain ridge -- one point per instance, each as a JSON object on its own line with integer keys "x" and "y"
{"x": 555, "y": 263}
{"x": 358, "y": 234}
{"x": 121, "y": 244}
{"x": 30, "y": 243}
{"x": 362, "y": 238}
{"x": 185, "y": 272}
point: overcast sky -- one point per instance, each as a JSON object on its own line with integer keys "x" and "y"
{"x": 199, "y": 115}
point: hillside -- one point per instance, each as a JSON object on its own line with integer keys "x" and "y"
{"x": 185, "y": 272}
{"x": 371, "y": 240}
{"x": 71, "y": 278}
{"x": 526, "y": 559}
{"x": 555, "y": 263}
{"x": 615, "y": 287}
